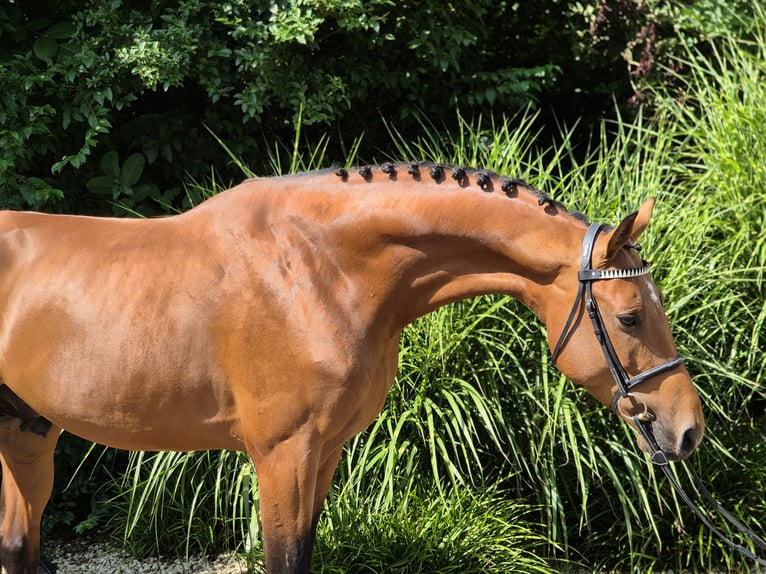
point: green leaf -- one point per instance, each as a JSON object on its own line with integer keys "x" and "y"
{"x": 45, "y": 48}
{"x": 37, "y": 24}
{"x": 122, "y": 190}
{"x": 110, "y": 164}
{"x": 61, "y": 30}
{"x": 151, "y": 150}
{"x": 132, "y": 169}
{"x": 36, "y": 192}
{"x": 101, "y": 185}
{"x": 141, "y": 192}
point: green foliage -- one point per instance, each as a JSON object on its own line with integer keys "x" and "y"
{"x": 78, "y": 502}
{"x": 653, "y": 36}
{"x": 716, "y": 110}
{"x": 464, "y": 532}
{"x": 207, "y": 499}
{"x": 83, "y": 80}
{"x": 444, "y": 418}
{"x": 120, "y": 182}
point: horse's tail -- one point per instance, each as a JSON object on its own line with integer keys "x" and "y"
{"x": 12, "y": 407}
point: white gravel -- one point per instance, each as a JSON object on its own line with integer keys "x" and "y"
{"x": 95, "y": 557}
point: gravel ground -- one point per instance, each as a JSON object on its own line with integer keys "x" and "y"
{"x": 96, "y": 557}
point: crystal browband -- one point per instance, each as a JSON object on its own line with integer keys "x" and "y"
{"x": 596, "y": 274}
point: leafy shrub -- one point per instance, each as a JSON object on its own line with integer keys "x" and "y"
{"x": 82, "y": 82}
{"x": 85, "y": 81}
{"x": 79, "y": 500}
{"x": 649, "y": 37}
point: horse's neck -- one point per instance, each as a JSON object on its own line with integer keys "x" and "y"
{"x": 409, "y": 246}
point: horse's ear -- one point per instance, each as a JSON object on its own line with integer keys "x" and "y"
{"x": 629, "y": 230}
{"x": 642, "y": 220}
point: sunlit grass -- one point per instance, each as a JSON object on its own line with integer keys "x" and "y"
{"x": 465, "y": 531}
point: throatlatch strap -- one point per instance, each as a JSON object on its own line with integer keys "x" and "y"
{"x": 564, "y": 337}
{"x": 585, "y": 264}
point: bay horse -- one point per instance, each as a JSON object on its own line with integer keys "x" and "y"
{"x": 267, "y": 319}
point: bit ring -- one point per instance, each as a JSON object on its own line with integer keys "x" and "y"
{"x": 645, "y": 416}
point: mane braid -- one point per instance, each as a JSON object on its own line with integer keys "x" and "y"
{"x": 487, "y": 181}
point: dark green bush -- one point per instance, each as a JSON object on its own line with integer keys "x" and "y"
{"x": 108, "y": 102}
{"x": 117, "y": 95}
{"x": 79, "y": 500}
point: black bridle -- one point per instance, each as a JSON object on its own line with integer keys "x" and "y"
{"x": 625, "y": 383}
{"x": 643, "y": 419}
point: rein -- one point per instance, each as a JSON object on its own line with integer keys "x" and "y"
{"x": 642, "y": 420}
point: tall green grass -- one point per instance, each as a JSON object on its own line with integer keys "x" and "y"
{"x": 717, "y": 114}
{"x": 183, "y": 502}
{"x": 477, "y": 404}
{"x": 465, "y": 532}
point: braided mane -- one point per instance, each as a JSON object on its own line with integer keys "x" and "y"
{"x": 486, "y": 180}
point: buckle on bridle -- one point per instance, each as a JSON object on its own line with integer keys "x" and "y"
{"x": 624, "y": 387}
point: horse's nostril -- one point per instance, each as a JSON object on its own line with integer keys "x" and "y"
{"x": 688, "y": 442}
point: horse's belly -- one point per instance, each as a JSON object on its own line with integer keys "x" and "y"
{"x": 166, "y": 420}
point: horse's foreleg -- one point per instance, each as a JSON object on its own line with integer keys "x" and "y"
{"x": 324, "y": 482}
{"x": 27, "y": 482}
{"x": 293, "y": 479}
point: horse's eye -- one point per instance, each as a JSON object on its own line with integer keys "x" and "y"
{"x": 629, "y": 321}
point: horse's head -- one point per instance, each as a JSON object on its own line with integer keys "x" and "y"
{"x": 633, "y": 367}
